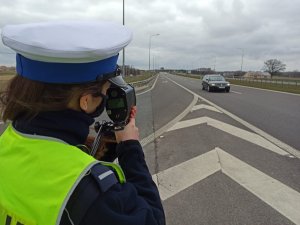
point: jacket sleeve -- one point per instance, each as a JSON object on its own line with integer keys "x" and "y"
{"x": 136, "y": 202}
{"x": 132, "y": 160}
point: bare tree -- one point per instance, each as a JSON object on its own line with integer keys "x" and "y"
{"x": 273, "y": 66}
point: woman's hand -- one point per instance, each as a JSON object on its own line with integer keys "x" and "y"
{"x": 130, "y": 132}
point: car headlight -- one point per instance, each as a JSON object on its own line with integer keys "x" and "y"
{"x": 228, "y": 84}
{"x": 212, "y": 84}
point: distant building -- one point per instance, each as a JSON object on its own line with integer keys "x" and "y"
{"x": 204, "y": 69}
{"x": 257, "y": 75}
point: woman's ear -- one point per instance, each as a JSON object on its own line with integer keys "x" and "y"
{"x": 84, "y": 102}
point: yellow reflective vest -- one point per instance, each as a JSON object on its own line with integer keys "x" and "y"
{"x": 37, "y": 177}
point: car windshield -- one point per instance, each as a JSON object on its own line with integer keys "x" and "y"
{"x": 216, "y": 78}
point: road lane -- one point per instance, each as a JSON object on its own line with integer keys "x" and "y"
{"x": 273, "y": 112}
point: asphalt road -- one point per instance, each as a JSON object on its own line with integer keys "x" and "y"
{"x": 216, "y": 171}
{"x": 275, "y": 113}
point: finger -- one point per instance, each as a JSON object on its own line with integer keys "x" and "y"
{"x": 134, "y": 109}
{"x": 133, "y": 112}
{"x": 132, "y": 121}
{"x": 132, "y": 115}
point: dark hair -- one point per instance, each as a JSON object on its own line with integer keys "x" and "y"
{"x": 26, "y": 98}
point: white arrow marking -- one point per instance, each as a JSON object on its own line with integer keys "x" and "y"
{"x": 203, "y": 106}
{"x": 235, "y": 131}
{"x": 276, "y": 194}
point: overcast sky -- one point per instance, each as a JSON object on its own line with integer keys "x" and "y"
{"x": 193, "y": 33}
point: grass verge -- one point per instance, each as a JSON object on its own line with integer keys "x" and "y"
{"x": 4, "y": 79}
{"x": 269, "y": 86}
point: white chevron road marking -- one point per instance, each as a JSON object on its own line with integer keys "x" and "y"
{"x": 203, "y": 106}
{"x": 235, "y": 131}
{"x": 182, "y": 176}
{"x": 276, "y": 194}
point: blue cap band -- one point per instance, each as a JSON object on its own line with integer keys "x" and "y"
{"x": 65, "y": 73}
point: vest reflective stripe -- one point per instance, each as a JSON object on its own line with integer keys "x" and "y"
{"x": 117, "y": 169}
{"x": 35, "y": 190}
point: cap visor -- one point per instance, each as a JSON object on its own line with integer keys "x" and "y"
{"x": 118, "y": 81}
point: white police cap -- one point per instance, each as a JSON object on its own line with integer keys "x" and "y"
{"x": 68, "y": 51}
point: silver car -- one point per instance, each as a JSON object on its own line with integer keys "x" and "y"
{"x": 215, "y": 82}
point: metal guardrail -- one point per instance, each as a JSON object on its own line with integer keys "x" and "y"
{"x": 268, "y": 81}
{"x": 143, "y": 82}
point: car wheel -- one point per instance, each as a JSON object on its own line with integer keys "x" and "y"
{"x": 202, "y": 87}
{"x": 227, "y": 90}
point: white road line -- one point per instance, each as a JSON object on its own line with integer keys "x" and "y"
{"x": 232, "y": 130}
{"x": 184, "y": 175}
{"x": 203, "y": 106}
{"x": 260, "y": 132}
{"x": 150, "y": 88}
{"x": 236, "y": 92}
{"x": 276, "y": 194}
{"x": 163, "y": 129}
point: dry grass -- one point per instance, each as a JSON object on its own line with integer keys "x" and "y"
{"x": 4, "y": 79}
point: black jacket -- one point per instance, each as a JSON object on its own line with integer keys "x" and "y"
{"x": 136, "y": 202}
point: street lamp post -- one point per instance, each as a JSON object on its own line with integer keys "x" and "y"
{"x": 123, "y": 64}
{"x": 215, "y": 62}
{"x": 242, "y": 58}
{"x": 153, "y": 63}
{"x": 152, "y": 35}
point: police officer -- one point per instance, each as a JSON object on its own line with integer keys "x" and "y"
{"x": 64, "y": 70}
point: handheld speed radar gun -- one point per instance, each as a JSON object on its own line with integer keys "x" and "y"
{"x": 120, "y": 101}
